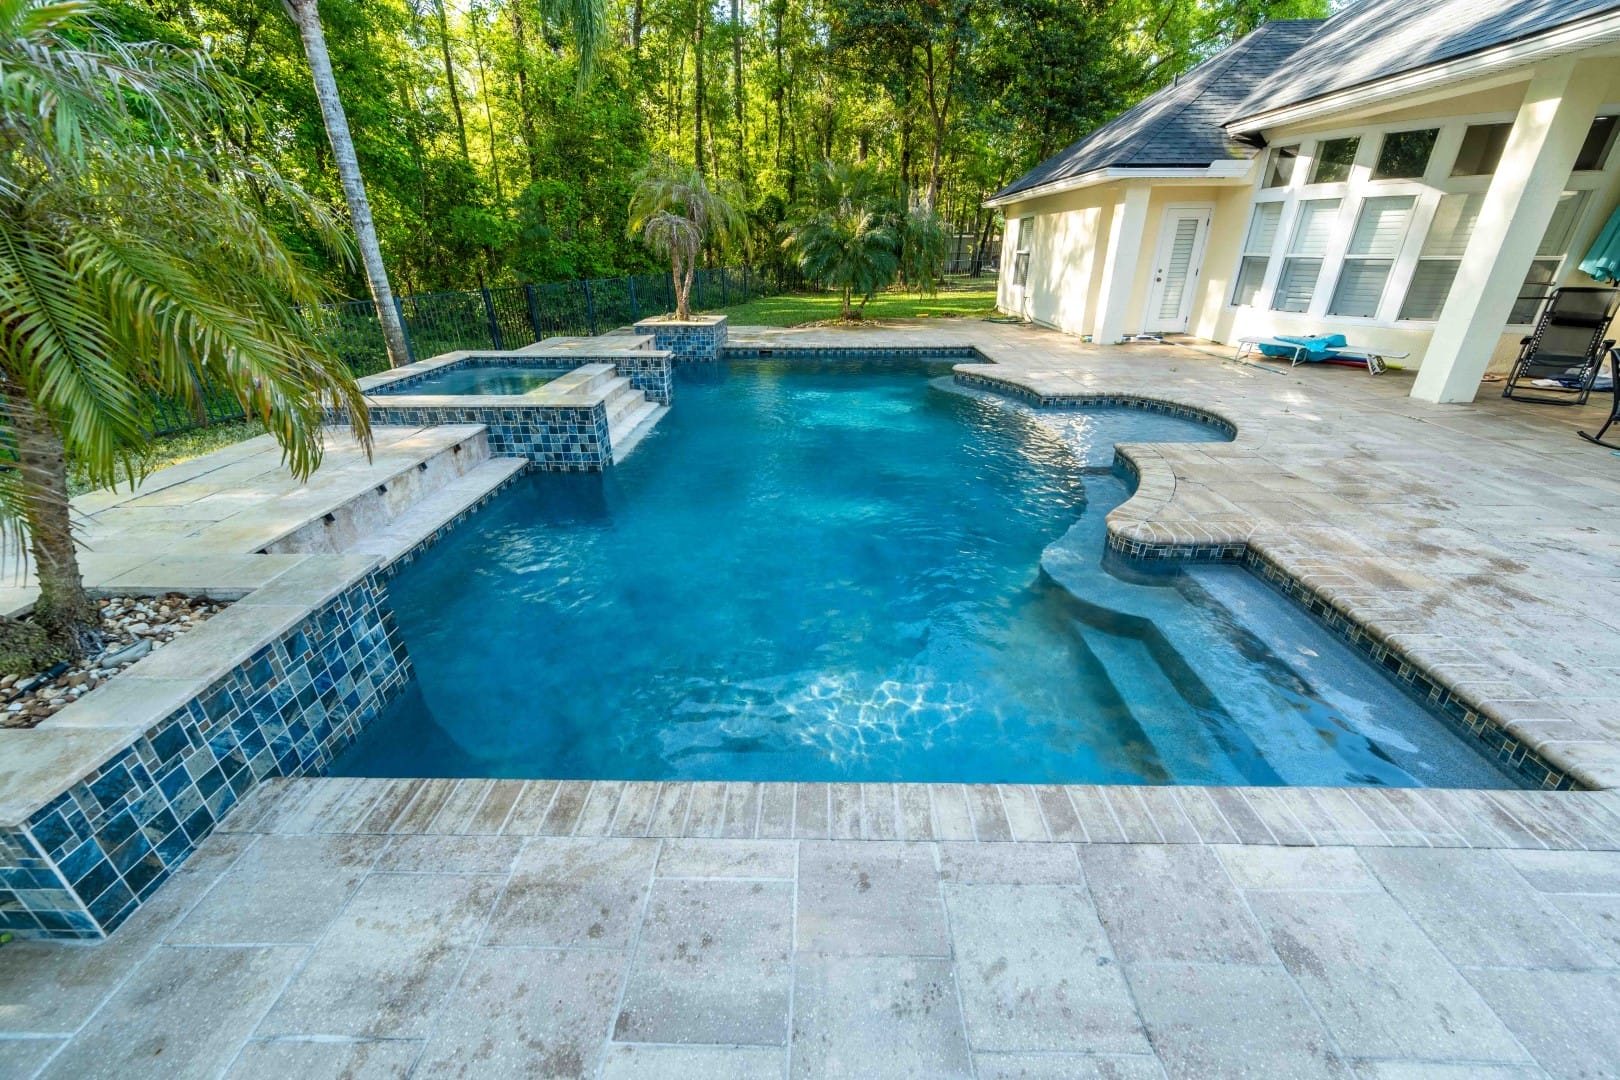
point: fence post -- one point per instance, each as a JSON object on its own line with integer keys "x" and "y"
{"x": 725, "y": 288}
{"x": 635, "y": 309}
{"x": 590, "y": 307}
{"x": 399, "y": 309}
{"x": 745, "y": 283}
{"x": 534, "y": 311}
{"x": 494, "y": 324}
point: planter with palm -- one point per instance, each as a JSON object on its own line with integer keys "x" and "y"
{"x": 677, "y": 214}
{"x": 134, "y": 265}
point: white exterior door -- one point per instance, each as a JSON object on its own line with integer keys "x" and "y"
{"x": 1176, "y": 264}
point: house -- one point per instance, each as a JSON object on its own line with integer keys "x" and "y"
{"x": 1414, "y": 174}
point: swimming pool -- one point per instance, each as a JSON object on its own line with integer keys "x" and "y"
{"x": 857, "y": 571}
{"x": 493, "y": 379}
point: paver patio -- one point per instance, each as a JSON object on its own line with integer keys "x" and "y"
{"x": 376, "y": 928}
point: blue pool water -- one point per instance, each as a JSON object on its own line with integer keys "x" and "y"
{"x": 499, "y": 379}
{"x": 857, "y": 571}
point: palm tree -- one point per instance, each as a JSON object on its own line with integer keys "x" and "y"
{"x": 675, "y": 212}
{"x": 587, "y": 20}
{"x": 134, "y": 266}
{"x": 851, "y": 248}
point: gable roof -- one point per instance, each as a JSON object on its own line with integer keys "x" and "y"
{"x": 1180, "y": 126}
{"x": 1372, "y": 40}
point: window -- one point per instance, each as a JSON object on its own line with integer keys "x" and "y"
{"x": 1333, "y": 160}
{"x": 1303, "y": 265}
{"x": 1549, "y": 258}
{"x": 1599, "y": 141}
{"x": 1026, "y": 233}
{"x": 1442, "y": 254}
{"x": 1380, "y": 230}
{"x": 1257, "y": 245}
{"x": 1281, "y": 169}
{"x": 1405, "y": 154}
{"x": 1481, "y": 149}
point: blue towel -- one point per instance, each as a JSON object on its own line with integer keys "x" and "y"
{"x": 1318, "y": 347}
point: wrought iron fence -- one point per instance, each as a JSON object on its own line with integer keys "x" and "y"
{"x": 503, "y": 318}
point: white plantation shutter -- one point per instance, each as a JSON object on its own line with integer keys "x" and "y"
{"x": 1175, "y": 274}
{"x": 1251, "y": 275}
{"x": 1297, "y": 284}
{"x": 1380, "y": 230}
{"x": 1263, "y": 229}
{"x": 1381, "y": 226}
{"x": 1449, "y": 233}
{"x": 1313, "y": 228}
{"x": 1431, "y": 284}
{"x": 1453, "y": 226}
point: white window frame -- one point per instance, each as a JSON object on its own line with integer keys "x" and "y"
{"x": 1428, "y": 190}
{"x": 1021, "y": 256}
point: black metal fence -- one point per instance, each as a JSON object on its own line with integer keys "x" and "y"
{"x": 505, "y": 318}
{"x": 511, "y": 317}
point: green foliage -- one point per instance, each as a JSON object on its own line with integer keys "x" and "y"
{"x": 939, "y": 101}
{"x": 923, "y": 248}
{"x": 849, "y": 247}
{"x": 676, "y": 213}
{"x": 135, "y": 264}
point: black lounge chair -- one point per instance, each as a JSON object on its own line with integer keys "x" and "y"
{"x": 1614, "y": 409}
{"x": 1557, "y": 363}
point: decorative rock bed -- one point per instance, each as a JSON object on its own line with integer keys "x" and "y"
{"x": 135, "y": 626}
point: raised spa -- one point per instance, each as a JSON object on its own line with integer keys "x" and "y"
{"x": 467, "y": 380}
{"x": 855, "y": 570}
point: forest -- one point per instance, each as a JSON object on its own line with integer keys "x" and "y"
{"x": 499, "y": 139}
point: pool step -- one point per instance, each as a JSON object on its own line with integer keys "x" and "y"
{"x": 621, "y": 400}
{"x": 634, "y": 427}
{"x": 396, "y": 537}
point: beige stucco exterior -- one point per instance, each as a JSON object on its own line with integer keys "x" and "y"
{"x": 1073, "y": 230}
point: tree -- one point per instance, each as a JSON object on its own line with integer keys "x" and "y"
{"x": 134, "y": 264}
{"x": 850, "y": 248}
{"x": 676, "y": 213}
{"x": 923, "y": 248}
{"x": 306, "y": 16}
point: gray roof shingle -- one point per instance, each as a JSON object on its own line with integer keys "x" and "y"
{"x": 1191, "y": 123}
{"x": 1377, "y": 39}
{"x": 1181, "y": 124}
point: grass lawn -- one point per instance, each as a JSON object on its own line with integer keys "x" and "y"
{"x": 965, "y": 300}
{"x": 173, "y": 449}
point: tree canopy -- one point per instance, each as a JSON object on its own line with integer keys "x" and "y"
{"x": 491, "y": 156}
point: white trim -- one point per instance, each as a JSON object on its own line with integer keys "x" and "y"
{"x": 1237, "y": 169}
{"x": 1205, "y": 216}
{"x": 1597, "y": 32}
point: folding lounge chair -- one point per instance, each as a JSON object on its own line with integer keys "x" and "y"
{"x": 1318, "y": 349}
{"x": 1614, "y": 409}
{"x": 1558, "y": 362}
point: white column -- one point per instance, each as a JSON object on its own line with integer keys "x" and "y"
{"x": 1562, "y": 100}
{"x": 1119, "y": 264}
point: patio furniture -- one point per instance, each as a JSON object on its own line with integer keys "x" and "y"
{"x": 1559, "y": 360}
{"x": 1318, "y": 349}
{"x": 1614, "y": 408}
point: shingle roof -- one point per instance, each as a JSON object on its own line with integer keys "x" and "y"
{"x": 1377, "y": 39}
{"x": 1181, "y": 124}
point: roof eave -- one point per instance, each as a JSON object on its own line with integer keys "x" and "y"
{"x": 1596, "y": 32}
{"x": 1232, "y": 169}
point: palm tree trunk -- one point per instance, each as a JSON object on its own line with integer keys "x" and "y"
{"x": 846, "y": 302}
{"x": 70, "y": 620}
{"x": 307, "y": 17}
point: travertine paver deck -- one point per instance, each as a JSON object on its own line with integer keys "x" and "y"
{"x": 438, "y": 928}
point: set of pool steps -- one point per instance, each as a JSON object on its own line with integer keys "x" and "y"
{"x": 631, "y": 414}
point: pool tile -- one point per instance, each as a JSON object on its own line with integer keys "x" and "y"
{"x": 669, "y": 813}
{"x": 1205, "y": 816}
{"x": 278, "y": 1059}
{"x": 635, "y": 809}
{"x": 526, "y": 1012}
{"x": 713, "y": 965}
{"x": 596, "y": 816}
{"x": 183, "y": 1007}
{"x": 916, "y": 820}
{"x": 1380, "y": 987}
{"x": 951, "y": 818}
{"x": 491, "y": 815}
{"x": 1129, "y": 884}
{"x": 1478, "y": 912}
{"x": 1037, "y": 972}
{"x": 576, "y": 891}
{"x": 865, "y": 899}
{"x": 742, "y": 810}
{"x": 1092, "y": 808}
{"x": 878, "y": 812}
{"x": 1207, "y": 1023}
{"x": 527, "y": 808}
{"x": 989, "y": 816}
{"x": 810, "y": 811}
{"x": 707, "y": 813}
{"x": 1024, "y": 822}
{"x": 389, "y": 961}
{"x": 566, "y": 805}
{"x": 877, "y": 1017}
{"x": 455, "y": 816}
{"x": 845, "y": 810}
{"x": 776, "y": 811}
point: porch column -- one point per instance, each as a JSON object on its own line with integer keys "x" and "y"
{"x": 1119, "y": 264}
{"x": 1562, "y": 100}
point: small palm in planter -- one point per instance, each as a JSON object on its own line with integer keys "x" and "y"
{"x": 675, "y": 212}
{"x": 134, "y": 265}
